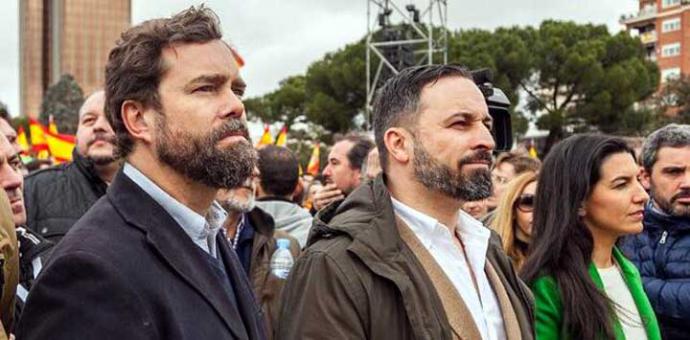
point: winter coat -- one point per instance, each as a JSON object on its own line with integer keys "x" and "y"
{"x": 661, "y": 252}
{"x": 9, "y": 266}
{"x": 127, "y": 270}
{"x": 267, "y": 287}
{"x": 549, "y": 316}
{"x": 55, "y": 198}
{"x": 288, "y": 217}
{"x": 357, "y": 279}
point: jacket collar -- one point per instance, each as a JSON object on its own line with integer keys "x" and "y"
{"x": 261, "y": 221}
{"x": 140, "y": 211}
{"x": 367, "y": 216}
{"x": 264, "y": 227}
{"x": 87, "y": 168}
{"x": 654, "y": 219}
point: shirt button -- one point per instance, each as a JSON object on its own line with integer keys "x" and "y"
{"x": 44, "y": 230}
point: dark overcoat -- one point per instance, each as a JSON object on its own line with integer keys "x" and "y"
{"x": 127, "y": 270}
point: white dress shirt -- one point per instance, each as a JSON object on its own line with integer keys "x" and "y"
{"x": 438, "y": 240}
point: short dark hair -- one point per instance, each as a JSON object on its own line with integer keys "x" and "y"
{"x": 672, "y": 135}
{"x": 279, "y": 170}
{"x": 359, "y": 151}
{"x": 397, "y": 102}
{"x": 520, "y": 163}
{"x": 135, "y": 65}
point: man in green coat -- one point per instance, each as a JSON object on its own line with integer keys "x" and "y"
{"x": 398, "y": 259}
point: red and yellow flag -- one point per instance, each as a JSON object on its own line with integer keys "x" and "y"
{"x": 52, "y": 127}
{"x": 23, "y": 141}
{"x": 236, "y": 55}
{"x": 266, "y": 138}
{"x": 38, "y": 140}
{"x": 60, "y": 146}
{"x": 282, "y": 137}
{"x": 314, "y": 161}
{"x": 532, "y": 150}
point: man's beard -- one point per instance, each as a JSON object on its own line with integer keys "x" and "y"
{"x": 103, "y": 159}
{"x": 241, "y": 206}
{"x": 668, "y": 206}
{"x": 200, "y": 159}
{"x": 451, "y": 182}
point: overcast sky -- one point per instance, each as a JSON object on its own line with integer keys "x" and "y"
{"x": 279, "y": 38}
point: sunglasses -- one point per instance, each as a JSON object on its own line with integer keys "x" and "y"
{"x": 525, "y": 203}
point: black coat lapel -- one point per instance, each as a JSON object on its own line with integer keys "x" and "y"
{"x": 175, "y": 247}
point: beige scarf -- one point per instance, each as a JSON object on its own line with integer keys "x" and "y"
{"x": 459, "y": 316}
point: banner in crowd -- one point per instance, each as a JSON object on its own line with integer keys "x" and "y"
{"x": 23, "y": 141}
{"x": 48, "y": 143}
{"x": 282, "y": 137}
{"x": 314, "y": 161}
{"x": 266, "y": 138}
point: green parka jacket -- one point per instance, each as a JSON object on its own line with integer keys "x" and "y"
{"x": 358, "y": 280}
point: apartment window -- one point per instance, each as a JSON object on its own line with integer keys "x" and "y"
{"x": 670, "y": 25}
{"x": 670, "y": 73}
{"x": 670, "y": 50}
{"x": 669, "y": 3}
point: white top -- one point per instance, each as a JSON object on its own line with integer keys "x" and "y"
{"x": 625, "y": 307}
{"x": 437, "y": 239}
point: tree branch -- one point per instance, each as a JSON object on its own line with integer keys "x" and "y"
{"x": 570, "y": 95}
{"x": 542, "y": 105}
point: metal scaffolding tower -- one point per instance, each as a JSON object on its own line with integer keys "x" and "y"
{"x": 398, "y": 37}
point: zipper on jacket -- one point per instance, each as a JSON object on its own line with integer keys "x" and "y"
{"x": 663, "y": 237}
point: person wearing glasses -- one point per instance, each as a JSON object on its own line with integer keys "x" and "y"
{"x": 507, "y": 166}
{"x": 588, "y": 196}
{"x": 513, "y": 219}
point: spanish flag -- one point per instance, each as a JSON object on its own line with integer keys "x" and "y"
{"x": 61, "y": 146}
{"x": 52, "y": 127}
{"x": 266, "y": 138}
{"x": 236, "y": 55}
{"x": 38, "y": 140}
{"x": 282, "y": 137}
{"x": 533, "y": 150}
{"x": 23, "y": 141}
{"x": 314, "y": 162}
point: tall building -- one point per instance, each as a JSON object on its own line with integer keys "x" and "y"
{"x": 664, "y": 28}
{"x": 66, "y": 37}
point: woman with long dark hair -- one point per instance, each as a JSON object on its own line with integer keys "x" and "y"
{"x": 588, "y": 196}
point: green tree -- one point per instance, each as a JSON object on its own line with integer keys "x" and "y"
{"x": 582, "y": 78}
{"x": 505, "y": 53}
{"x": 673, "y": 102}
{"x": 286, "y": 104}
{"x": 63, "y": 100}
{"x": 336, "y": 88}
{"x": 575, "y": 77}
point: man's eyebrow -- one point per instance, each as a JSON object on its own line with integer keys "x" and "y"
{"x": 471, "y": 116}
{"x": 209, "y": 78}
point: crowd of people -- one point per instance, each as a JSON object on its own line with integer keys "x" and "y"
{"x": 167, "y": 222}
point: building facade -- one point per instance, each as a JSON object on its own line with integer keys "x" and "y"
{"x": 664, "y": 28}
{"x": 66, "y": 37}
